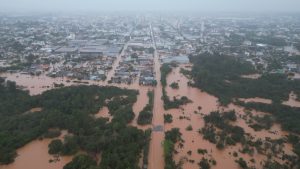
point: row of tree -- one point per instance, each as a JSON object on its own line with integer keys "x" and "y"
{"x": 171, "y": 138}
{"x": 145, "y": 116}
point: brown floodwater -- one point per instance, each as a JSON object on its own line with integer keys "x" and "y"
{"x": 193, "y": 140}
{"x": 293, "y": 102}
{"x": 35, "y": 156}
{"x": 252, "y": 76}
{"x": 256, "y": 100}
{"x": 39, "y": 84}
{"x": 142, "y": 101}
{"x": 34, "y": 110}
{"x": 104, "y": 113}
{"x": 35, "y": 84}
{"x": 156, "y": 153}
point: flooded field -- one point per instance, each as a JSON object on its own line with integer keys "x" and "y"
{"x": 35, "y": 156}
{"x": 35, "y": 84}
{"x": 192, "y": 115}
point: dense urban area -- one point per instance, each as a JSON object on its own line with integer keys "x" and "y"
{"x": 149, "y": 91}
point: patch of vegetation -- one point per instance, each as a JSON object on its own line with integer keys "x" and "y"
{"x": 55, "y": 147}
{"x": 189, "y": 128}
{"x": 146, "y": 147}
{"x": 145, "y": 116}
{"x": 260, "y": 123}
{"x": 175, "y": 103}
{"x": 168, "y": 118}
{"x": 186, "y": 73}
{"x": 165, "y": 70}
{"x": 212, "y": 72}
{"x": 288, "y": 117}
{"x": 204, "y": 164}
{"x": 242, "y": 163}
{"x": 52, "y": 133}
{"x": 227, "y": 134}
{"x": 81, "y": 162}
{"x": 202, "y": 151}
{"x": 171, "y": 138}
{"x": 174, "y": 85}
{"x": 275, "y": 165}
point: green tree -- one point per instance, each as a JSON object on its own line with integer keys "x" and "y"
{"x": 204, "y": 164}
{"x": 81, "y": 162}
{"x": 55, "y": 147}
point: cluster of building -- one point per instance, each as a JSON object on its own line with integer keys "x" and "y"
{"x": 170, "y": 44}
{"x": 76, "y": 47}
{"x": 137, "y": 63}
{"x": 87, "y": 59}
{"x": 85, "y": 47}
{"x": 259, "y": 40}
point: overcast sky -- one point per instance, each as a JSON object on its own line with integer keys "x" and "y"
{"x": 150, "y": 5}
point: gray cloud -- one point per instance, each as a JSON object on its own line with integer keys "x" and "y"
{"x": 142, "y": 5}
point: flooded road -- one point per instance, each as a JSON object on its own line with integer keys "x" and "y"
{"x": 116, "y": 63}
{"x": 156, "y": 153}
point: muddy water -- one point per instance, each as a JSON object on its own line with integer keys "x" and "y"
{"x": 156, "y": 158}
{"x": 202, "y": 103}
{"x": 34, "y": 110}
{"x": 292, "y": 100}
{"x": 275, "y": 132}
{"x": 142, "y": 101}
{"x": 35, "y": 84}
{"x": 35, "y": 156}
{"x": 193, "y": 140}
{"x": 252, "y": 76}
{"x": 104, "y": 113}
{"x": 39, "y": 84}
{"x": 256, "y": 100}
